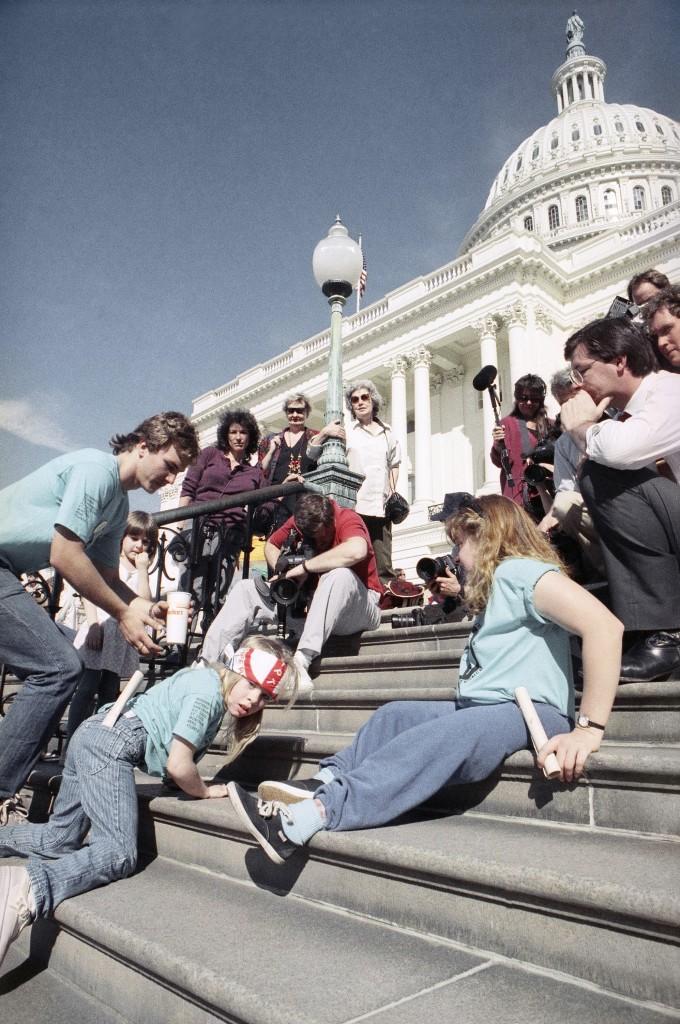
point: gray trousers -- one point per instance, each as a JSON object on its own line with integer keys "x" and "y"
{"x": 97, "y": 795}
{"x": 408, "y": 750}
{"x": 341, "y": 605}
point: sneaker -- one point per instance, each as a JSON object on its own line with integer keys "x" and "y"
{"x": 305, "y": 684}
{"x": 13, "y": 811}
{"x": 264, "y": 821}
{"x": 17, "y": 908}
{"x": 289, "y": 792}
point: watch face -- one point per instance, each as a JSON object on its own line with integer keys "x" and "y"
{"x": 583, "y": 721}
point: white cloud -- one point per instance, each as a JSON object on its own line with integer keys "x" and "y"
{"x": 34, "y": 422}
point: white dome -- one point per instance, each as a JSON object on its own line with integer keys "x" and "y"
{"x": 617, "y": 160}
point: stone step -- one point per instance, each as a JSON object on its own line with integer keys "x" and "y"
{"x": 346, "y": 694}
{"x": 29, "y": 993}
{"x": 179, "y": 944}
{"x": 603, "y": 905}
{"x": 627, "y": 786}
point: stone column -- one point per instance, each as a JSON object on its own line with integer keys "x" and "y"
{"x": 521, "y": 356}
{"x": 397, "y": 368}
{"x": 421, "y": 360}
{"x": 543, "y": 326}
{"x": 487, "y": 347}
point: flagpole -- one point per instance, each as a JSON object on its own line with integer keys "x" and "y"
{"x": 358, "y": 288}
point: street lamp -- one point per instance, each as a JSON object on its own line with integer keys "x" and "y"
{"x": 337, "y": 263}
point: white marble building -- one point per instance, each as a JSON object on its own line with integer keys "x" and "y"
{"x": 583, "y": 204}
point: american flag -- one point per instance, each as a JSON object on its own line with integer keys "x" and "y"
{"x": 363, "y": 276}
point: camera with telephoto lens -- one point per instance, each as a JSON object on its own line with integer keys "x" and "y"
{"x": 429, "y": 569}
{"x": 543, "y": 452}
{"x": 295, "y": 551}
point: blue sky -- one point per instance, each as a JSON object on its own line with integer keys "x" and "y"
{"x": 167, "y": 167}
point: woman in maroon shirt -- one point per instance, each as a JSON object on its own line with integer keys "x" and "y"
{"x": 527, "y": 424}
{"x": 219, "y": 471}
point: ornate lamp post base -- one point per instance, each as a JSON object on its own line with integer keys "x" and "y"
{"x": 337, "y": 482}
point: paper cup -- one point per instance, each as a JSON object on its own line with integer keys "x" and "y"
{"x": 177, "y": 621}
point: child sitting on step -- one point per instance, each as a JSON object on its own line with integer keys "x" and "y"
{"x": 166, "y": 729}
{"x": 526, "y": 608}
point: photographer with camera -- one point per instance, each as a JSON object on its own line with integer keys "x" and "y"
{"x": 520, "y": 431}
{"x": 340, "y": 576}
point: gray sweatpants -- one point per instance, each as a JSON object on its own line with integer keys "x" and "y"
{"x": 341, "y": 605}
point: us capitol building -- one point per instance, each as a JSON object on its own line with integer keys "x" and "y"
{"x": 584, "y": 203}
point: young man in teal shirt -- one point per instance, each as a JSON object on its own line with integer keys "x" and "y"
{"x": 71, "y": 514}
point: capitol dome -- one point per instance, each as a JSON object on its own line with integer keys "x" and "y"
{"x": 594, "y": 165}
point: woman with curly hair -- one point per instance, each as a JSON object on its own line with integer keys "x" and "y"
{"x": 220, "y": 470}
{"x": 520, "y": 431}
{"x": 526, "y": 607}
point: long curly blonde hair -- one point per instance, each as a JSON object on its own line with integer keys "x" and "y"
{"x": 501, "y": 530}
{"x": 246, "y": 729}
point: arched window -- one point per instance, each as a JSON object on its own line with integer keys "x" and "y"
{"x": 575, "y": 134}
{"x": 505, "y": 176}
{"x": 535, "y": 151}
{"x": 518, "y": 165}
{"x": 619, "y": 127}
{"x": 638, "y": 197}
{"x": 554, "y": 142}
{"x": 666, "y": 195}
{"x": 581, "y": 209}
{"x": 610, "y": 202}
{"x": 640, "y": 127}
{"x": 597, "y": 128}
{"x": 528, "y": 223}
{"x": 659, "y": 128}
{"x": 553, "y": 217}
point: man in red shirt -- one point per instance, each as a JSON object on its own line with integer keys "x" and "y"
{"x": 347, "y": 584}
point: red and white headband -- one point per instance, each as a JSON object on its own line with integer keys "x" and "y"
{"x": 260, "y": 667}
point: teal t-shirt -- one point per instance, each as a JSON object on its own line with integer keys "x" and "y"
{"x": 189, "y": 705}
{"x": 512, "y": 644}
{"x": 80, "y": 491}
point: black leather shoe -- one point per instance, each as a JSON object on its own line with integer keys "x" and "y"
{"x": 653, "y": 656}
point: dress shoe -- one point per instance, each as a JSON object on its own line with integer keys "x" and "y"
{"x": 652, "y": 657}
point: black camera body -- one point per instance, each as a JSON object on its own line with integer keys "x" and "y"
{"x": 622, "y": 307}
{"x": 429, "y": 569}
{"x": 295, "y": 551}
{"x": 543, "y": 452}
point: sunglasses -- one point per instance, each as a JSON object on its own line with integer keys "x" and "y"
{"x": 296, "y": 410}
{"x": 355, "y": 399}
{"x": 530, "y": 398}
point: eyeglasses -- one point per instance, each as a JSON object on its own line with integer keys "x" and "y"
{"x": 296, "y": 410}
{"x": 355, "y": 399}
{"x": 577, "y": 377}
{"x": 534, "y": 399}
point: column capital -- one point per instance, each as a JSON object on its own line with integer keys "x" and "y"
{"x": 436, "y": 382}
{"x": 456, "y": 375}
{"x": 398, "y": 365}
{"x": 516, "y": 314}
{"x": 421, "y": 356}
{"x": 486, "y": 328}
{"x": 542, "y": 318}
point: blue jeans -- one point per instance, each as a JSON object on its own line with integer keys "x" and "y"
{"x": 42, "y": 657}
{"x": 97, "y": 794}
{"x": 408, "y": 750}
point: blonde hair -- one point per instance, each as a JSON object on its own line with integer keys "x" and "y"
{"x": 246, "y": 729}
{"x": 501, "y": 530}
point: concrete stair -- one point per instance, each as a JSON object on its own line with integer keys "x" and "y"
{"x": 516, "y": 898}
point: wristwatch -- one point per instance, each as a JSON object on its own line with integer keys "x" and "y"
{"x": 583, "y": 722}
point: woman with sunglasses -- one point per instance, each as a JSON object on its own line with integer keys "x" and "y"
{"x": 286, "y": 455}
{"x": 521, "y": 431}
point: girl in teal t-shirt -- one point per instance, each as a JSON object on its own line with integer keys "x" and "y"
{"x": 526, "y": 606}
{"x": 164, "y": 730}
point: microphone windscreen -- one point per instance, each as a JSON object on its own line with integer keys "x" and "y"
{"x": 484, "y": 378}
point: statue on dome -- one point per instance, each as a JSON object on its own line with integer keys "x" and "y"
{"x": 574, "y": 29}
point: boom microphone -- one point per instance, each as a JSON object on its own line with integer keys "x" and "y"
{"x": 484, "y": 378}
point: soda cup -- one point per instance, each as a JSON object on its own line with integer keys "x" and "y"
{"x": 177, "y": 621}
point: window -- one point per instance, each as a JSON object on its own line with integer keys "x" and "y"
{"x": 581, "y": 209}
{"x": 618, "y": 125}
{"x": 554, "y": 142}
{"x": 575, "y": 134}
{"x": 666, "y": 195}
{"x": 659, "y": 129}
{"x": 611, "y": 203}
{"x": 638, "y": 197}
{"x": 535, "y": 151}
{"x": 553, "y": 217}
{"x": 529, "y": 223}
{"x": 505, "y": 176}
{"x": 518, "y": 165}
{"x": 640, "y": 127}
{"x": 597, "y": 129}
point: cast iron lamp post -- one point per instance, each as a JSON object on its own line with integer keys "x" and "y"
{"x": 337, "y": 264}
